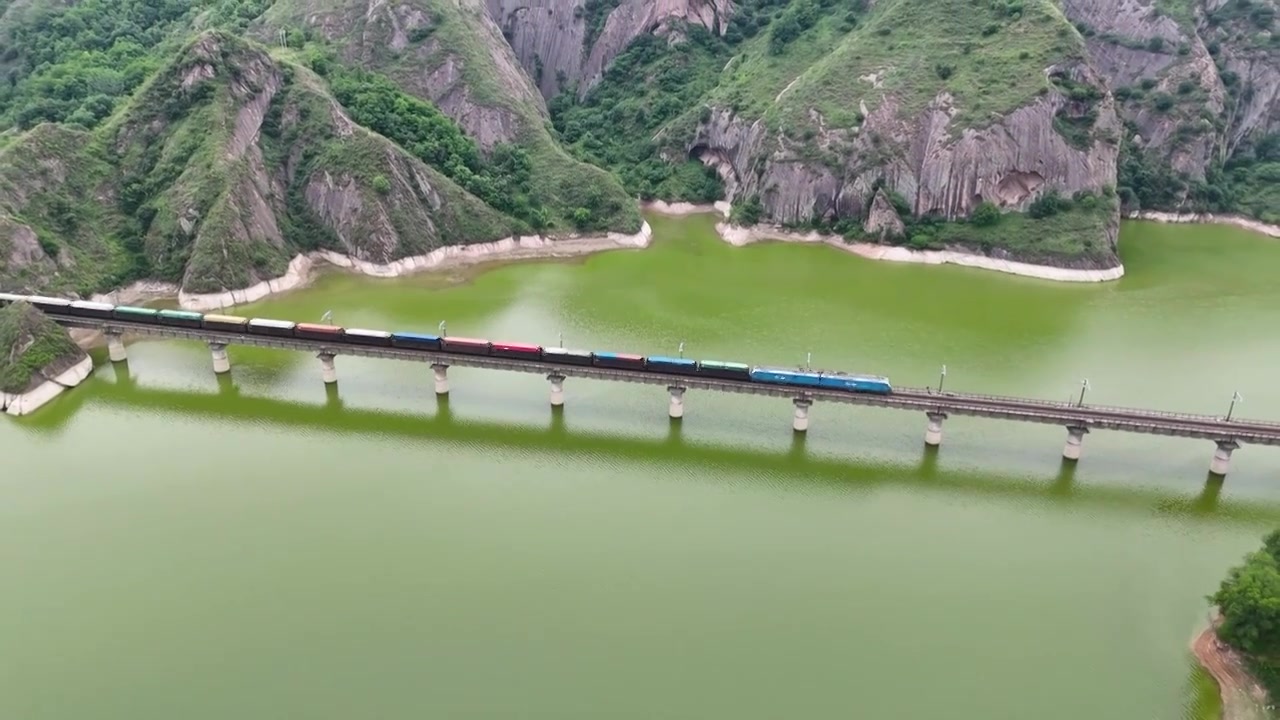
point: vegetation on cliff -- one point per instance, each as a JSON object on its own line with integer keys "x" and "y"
{"x": 1249, "y": 601}
{"x": 29, "y": 344}
{"x": 1014, "y": 127}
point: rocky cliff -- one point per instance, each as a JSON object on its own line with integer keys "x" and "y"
{"x": 1004, "y": 108}
{"x": 453, "y": 54}
{"x": 33, "y": 350}
{"x": 221, "y": 168}
{"x": 568, "y": 44}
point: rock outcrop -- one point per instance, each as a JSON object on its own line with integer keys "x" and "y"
{"x": 38, "y": 360}
{"x": 451, "y": 53}
{"x": 1174, "y": 68}
{"x": 556, "y": 45}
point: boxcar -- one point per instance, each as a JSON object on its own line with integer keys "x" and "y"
{"x": 274, "y": 328}
{"x": 51, "y": 305}
{"x": 566, "y": 357}
{"x": 136, "y": 314}
{"x": 359, "y": 336}
{"x": 782, "y": 376}
{"x": 725, "y": 370}
{"x": 855, "y": 383}
{"x": 415, "y": 341}
{"x": 229, "y": 323}
{"x": 518, "y": 351}
{"x": 180, "y": 318}
{"x": 312, "y": 331}
{"x": 85, "y": 308}
{"x": 679, "y": 366}
{"x": 618, "y": 360}
{"x": 465, "y": 346}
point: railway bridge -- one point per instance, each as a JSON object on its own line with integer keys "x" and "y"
{"x": 1078, "y": 418}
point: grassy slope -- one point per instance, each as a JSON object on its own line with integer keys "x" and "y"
{"x": 20, "y": 323}
{"x": 905, "y": 42}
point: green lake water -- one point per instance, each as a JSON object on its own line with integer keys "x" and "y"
{"x": 177, "y": 545}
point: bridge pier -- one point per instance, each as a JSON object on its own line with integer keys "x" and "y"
{"x": 115, "y": 347}
{"x": 442, "y": 379}
{"x": 1075, "y": 441}
{"x": 327, "y": 369}
{"x": 676, "y": 409}
{"x": 221, "y": 363}
{"x": 933, "y": 433}
{"x": 557, "y": 390}
{"x": 800, "y": 423}
{"x": 1221, "y": 462}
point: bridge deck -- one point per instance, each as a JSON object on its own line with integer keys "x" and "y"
{"x": 1151, "y": 422}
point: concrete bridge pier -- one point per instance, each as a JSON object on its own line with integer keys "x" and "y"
{"x": 115, "y": 347}
{"x": 801, "y": 421}
{"x": 557, "y": 390}
{"x": 1075, "y": 441}
{"x": 221, "y": 363}
{"x": 676, "y": 409}
{"x": 327, "y": 369}
{"x": 933, "y": 433}
{"x": 1221, "y": 462}
{"x": 442, "y": 379}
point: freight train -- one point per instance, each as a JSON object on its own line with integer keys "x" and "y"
{"x": 459, "y": 345}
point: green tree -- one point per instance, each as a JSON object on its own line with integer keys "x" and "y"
{"x": 381, "y": 184}
{"x": 986, "y": 214}
{"x": 1249, "y": 600}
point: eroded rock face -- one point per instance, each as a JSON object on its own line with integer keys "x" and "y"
{"x": 938, "y": 168}
{"x": 550, "y": 36}
{"x": 1132, "y": 42}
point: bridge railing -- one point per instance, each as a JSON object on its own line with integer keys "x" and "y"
{"x": 1108, "y": 409}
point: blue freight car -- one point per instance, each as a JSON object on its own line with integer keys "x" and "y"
{"x": 855, "y": 383}
{"x": 783, "y": 376}
{"x": 679, "y": 366}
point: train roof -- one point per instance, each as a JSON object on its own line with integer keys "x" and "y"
{"x": 265, "y": 322}
{"x": 619, "y": 356}
{"x": 131, "y": 310}
{"x": 466, "y": 340}
{"x": 671, "y": 360}
{"x": 313, "y": 327}
{"x": 724, "y": 365}
{"x": 855, "y": 376}
{"x": 414, "y": 336}
{"x": 368, "y": 333}
{"x": 42, "y": 299}
{"x": 516, "y": 346}
{"x": 564, "y": 351}
{"x": 785, "y": 371}
{"x": 236, "y": 319}
{"x": 182, "y": 314}
{"x": 11, "y": 297}
{"x": 92, "y": 305}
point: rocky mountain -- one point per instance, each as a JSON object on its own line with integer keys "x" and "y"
{"x": 222, "y": 166}
{"x": 203, "y": 142}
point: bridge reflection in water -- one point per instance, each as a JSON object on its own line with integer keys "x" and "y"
{"x": 558, "y": 438}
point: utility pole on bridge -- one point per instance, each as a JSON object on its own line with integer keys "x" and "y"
{"x": 1235, "y": 398}
{"x": 1084, "y": 385}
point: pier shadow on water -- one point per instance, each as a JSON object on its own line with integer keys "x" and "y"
{"x": 796, "y": 463}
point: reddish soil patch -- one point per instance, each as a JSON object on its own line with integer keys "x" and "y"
{"x": 1243, "y": 697}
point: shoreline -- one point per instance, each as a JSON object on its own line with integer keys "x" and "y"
{"x": 39, "y": 396}
{"x": 1243, "y": 697}
{"x": 741, "y": 236}
{"x": 1208, "y": 218}
{"x": 301, "y": 268}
